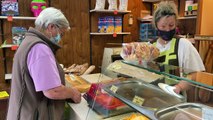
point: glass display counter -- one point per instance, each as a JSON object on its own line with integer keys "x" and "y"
{"x": 146, "y": 91}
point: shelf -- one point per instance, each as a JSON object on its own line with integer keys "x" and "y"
{"x": 8, "y": 76}
{"x": 145, "y": 20}
{"x": 18, "y": 17}
{"x": 190, "y": 17}
{"x": 151, "y": 1}
{"x": 203, "y": 37}
{"x": 111, "y": 11}
{"x": 7, "y": 45}
{"x": 121, "y": 33}
{"x": 180, "y": 18}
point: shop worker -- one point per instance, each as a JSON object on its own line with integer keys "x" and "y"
{"x": 38, "y": 89}
{"x": 174, "y": 51}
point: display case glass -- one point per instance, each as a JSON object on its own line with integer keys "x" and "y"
{"x": 146, "y": 91}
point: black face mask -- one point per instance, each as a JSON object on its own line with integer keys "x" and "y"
{"x": 166, "y": 35}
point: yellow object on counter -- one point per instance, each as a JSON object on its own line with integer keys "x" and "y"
{"x": 136, "y": 117}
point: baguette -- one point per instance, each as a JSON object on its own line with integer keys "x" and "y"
{"x": 75, "y": 80}
{"x": 89, "y": 70}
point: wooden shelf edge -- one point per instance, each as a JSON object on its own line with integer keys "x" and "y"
{"x": 122, "y": 33}
{"x": 110, "y": 11}
{"x": 7, "y": 45}
{"x": 203, "y": 37}
{"x": 179, "y": 18}
{"x": 187, "y": 17}
{"x": 145, "y": 20}
{"x": 19, "y": 17}
{"x": 151, "y": 1}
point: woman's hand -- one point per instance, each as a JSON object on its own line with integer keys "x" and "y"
{"x": 76, "y": 95}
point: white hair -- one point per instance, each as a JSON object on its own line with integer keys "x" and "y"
{"x": 51, "y": 16}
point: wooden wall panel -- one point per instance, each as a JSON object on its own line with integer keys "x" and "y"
{"x": 1, "y": 58}
{"x": 75, "y": 44}
{"x": 206, "y": 18}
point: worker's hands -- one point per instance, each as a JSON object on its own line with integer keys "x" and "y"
{"x": 76, "y": 95}
{"x": 177, "y": 89}
{"x": 182, "y": 86}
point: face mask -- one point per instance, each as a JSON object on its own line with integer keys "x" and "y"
{"x": 56, "y": 39}
{"x": 166, "y": 35}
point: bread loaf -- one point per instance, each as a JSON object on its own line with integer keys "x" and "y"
{"x": 83, "y": 88}
{"x": 89, "y": 70}
{"x": 75, "y": 80}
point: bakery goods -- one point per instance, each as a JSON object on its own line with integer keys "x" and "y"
{"x": 135, "y": 116}
{"x": 139, "y": 51}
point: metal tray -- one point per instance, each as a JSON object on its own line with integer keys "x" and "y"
{"x": 184, "y": 111}
{"x": 154, "y": 98}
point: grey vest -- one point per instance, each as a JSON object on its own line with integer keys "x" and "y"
{"x": 25, "y": 103}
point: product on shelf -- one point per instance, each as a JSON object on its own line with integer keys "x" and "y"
{"x": 147, "y": 32}
{"x": 37, "y": 6}
{"x": 9, "y": 7}
{"x": 118, "y": 24}
{"x": 110, "y": 24}
{"x": 123, "y": 5}
{"x": 100, "y": 4}
{"x": 101, "y": 24}
{"x": 18, "y": 34}
{"x": 112, "y": 4}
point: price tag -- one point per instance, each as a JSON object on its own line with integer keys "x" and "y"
{"x": 4, "y": 94}
{"x": 115, "y": 12}
{"x": 114, "y": 35}
{"x": 10, "y": 18}
{"x": 138, "y": 100}
{"x": 14, "y": 47}
{"x": 207, "y": 114}
{"x": 114, "y": 88}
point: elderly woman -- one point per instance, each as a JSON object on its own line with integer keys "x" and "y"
{"x": 37, "y": 90}
{"x": 174, "y": 51}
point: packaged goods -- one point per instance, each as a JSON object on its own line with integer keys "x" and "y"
{"x": 100, "y": 4}
{"x": 112, "y": 4}
{"x": 139, "y": 51}
{"x": 101, "y": 24}
{"x": 9, "y": 7}
{"x": 110, "y": 24}
{"x": 118, "y": 24}
{"x": 18, "y": 34}
{"x": 123, "y": 4}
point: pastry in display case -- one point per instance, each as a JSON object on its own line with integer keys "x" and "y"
{"x": 147, "y": 93}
